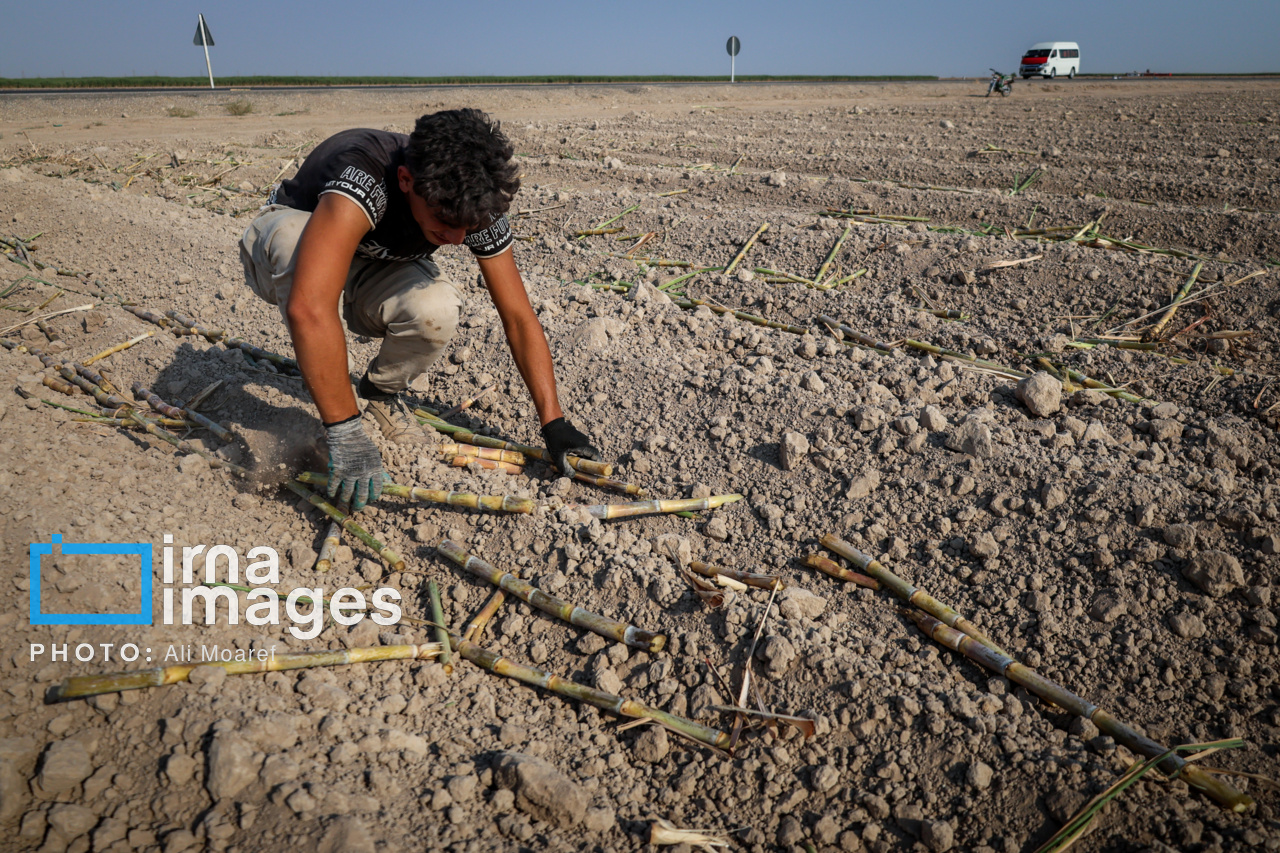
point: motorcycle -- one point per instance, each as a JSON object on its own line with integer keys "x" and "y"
{"x": 1002, "y": 83}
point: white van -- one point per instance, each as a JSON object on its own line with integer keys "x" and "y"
{"x": 1051, "y": 59}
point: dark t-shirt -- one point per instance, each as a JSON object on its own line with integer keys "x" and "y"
{"x": 362, "y": 166}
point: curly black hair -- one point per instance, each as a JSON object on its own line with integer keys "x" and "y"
{"x": 461, "y": 164}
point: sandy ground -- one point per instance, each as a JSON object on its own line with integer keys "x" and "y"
{"x": 1126, "y": 548}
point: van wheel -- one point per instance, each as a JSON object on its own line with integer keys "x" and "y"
{"x": 1053, "y": 74}
{"x": 1072, "y": 75}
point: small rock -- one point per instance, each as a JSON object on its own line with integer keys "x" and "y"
{"x": 540, "y": 789}
{"x": 1215, "y": 572}
{"x": 863, "y": 485}
{"x": 776, "y": 179}
{"x": 777, "y": 654}
{"x": 937, "y": 835}
{"x": 1180, "y": 536}
{"x": 1107, "y": 607}
{"x": 979, "y": 775}
{"x": 1083, "y": 728}
{"x": 231, "y": 767}
{"x": 1165, "y": 431}
{"x": 1053, "y": 496}
{"x": 793, "y": 450}
{"x": 66, "y": 764}
{"x": 676, "y": 548}
{"x": 599, "y": 819}
{"x": 612, "y": 163}
{"x": 869, "y": 418}
{"x": 795, "y": 603}
{"x": 1187, "y": 625}
{"x": 71, "y": 820}
{"x": 179, "y": 768}
{"x": 972, "y": 437}
{"x": 825, "y": 777}
{"x": 946, "y": 124}
{"x": 984, "y": 545}
{"x": 717, "y": 528}
{"x": 652, "y": 745}
{"x": 1041, "y": 394}
{"x": 932, "y": 419}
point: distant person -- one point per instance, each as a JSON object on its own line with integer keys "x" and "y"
{"x": 351, "y": 235}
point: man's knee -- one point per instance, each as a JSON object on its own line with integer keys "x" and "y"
{"x": 428, "y": 313}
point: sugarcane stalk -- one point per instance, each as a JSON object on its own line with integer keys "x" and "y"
{"x": 748, "y": 578}
{"x": 503, "y": 503}
{"x": 465, "y": 404}
{"x": 634, "y": 508}
{"x": 690, "y": 302}
{"x": 1066, "y": 375}
{"x": 184, "y": 446}
{"x": 596, "y": 232}
{"x": 442, "y": 629}
{"x": 681, "y": 279}
{"x": 785, "y": 276}
{"x": 1003, "y": 664}
{"x": 475, "y": 628}
{"x": 96, "y": 378}
{"x": 1153, "y": 334}
{"x": 391, "y": 558}
{"x": 107, "y": 420}
{"x": 109, "y": 401}
{"x": 742, "y": 253}
{"x": 831, "y": 256}
{"x": 466, "y": 436}
{"x": 945, "y": 313}
{"x": 57, "y": 385}
{"x": 329, "y": 550}
{"x": 149, "y": 316}
{"x": 462, "y": 461}
{"x": 835, "y": 570}
{"x": 494, "y": 453}
{"x": 611, "y": 484}
{"x": 523, "y": 590}
{"x": 499, "y": 665}
{"x": 117, "y": 348}
{"x": 48, "y": 333}
{"x": 908, "y": 593}
{"x": 83, "y": 686}
{"x": 188, "y": 326}
{"x": 850, "y": 332}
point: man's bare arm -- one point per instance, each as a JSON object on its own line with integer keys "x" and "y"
{"x": 325, "y": 250}
{"x": 524, "y": 333}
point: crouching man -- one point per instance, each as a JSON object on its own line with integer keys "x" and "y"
{"x": 351, "y": 236}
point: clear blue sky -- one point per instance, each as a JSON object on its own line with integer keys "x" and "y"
{"x": 49, "y": 38}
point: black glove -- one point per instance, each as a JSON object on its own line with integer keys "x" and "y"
{"x": 564, "y": 439}
{"x": 355, "y": 465}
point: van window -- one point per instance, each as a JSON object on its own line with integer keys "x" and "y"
{"x": 1036, "y": 54}
{"x": 1070, "y": 53}
{"x": 1052, "y": 55}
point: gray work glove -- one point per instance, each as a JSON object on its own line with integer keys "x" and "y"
{"x": 564, "y": 440}
{"x": 355, "y": 465}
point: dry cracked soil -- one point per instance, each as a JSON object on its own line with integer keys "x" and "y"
{"x": 1122, "y": 542}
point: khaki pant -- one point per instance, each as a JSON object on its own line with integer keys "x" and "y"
{"x": 409, "y": 304}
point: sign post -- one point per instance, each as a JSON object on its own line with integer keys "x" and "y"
{"x": 733, "y": 46}
{"x": 204, "y": 38}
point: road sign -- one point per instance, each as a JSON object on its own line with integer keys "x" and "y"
{"x": 733, "y": 46}
{"x": 203, "y": 36}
